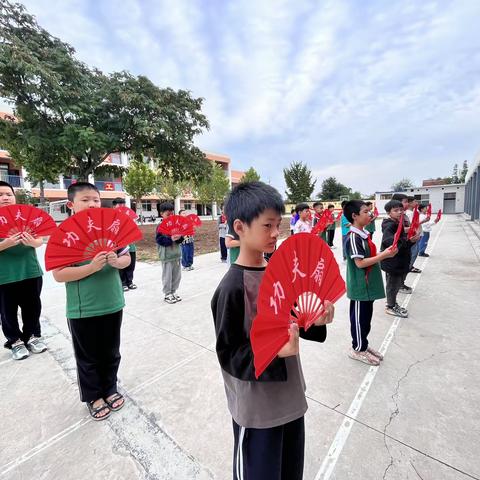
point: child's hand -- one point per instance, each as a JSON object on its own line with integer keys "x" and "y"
{"x": 12, "y": 241}
{"x": 416, "y": 237}
{"x": 112, "y": 259}
{"x": 390, "y": 252}
{"x": 327, "y": 315}
{"x": 98, "y": 262}
{"x": 176, "y": 237}
{"x": 31, "y": 241}
{"x": 290, "y": 349}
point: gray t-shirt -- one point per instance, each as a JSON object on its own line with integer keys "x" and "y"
{"x": 278, "y": 396}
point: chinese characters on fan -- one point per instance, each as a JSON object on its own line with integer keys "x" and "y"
{"x": 279, "y": 292}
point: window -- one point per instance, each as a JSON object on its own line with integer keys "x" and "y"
{"x": 450, "y": 196}
{"x": 422, "y": 198}
{"x": 147, "y": 206}
{"x": 187, "y": 206}
{"x": 385, "y": 196}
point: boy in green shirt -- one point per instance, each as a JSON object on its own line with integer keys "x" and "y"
{"x": 20, "y": 287}
{"x": 94, "y": 313}
{"x": 364, "y": 280}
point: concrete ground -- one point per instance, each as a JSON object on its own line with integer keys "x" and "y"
{"x": 415, "y": 417}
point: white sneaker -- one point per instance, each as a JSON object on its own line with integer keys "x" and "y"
{"x": 365, "y": 357}
{"x": 176, "y": 297}
{"x": 35, "y": 345}
{"x": 170, "y": 299}
{"x": 19, "y": 352}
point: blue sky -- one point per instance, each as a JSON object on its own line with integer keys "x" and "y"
{"x": 367, "y": 91}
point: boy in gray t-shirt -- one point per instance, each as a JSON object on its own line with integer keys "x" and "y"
{"x": 268, "y": 413}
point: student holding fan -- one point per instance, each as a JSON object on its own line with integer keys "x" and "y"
{"x": 21, "y": 230}
{"x": 268, "y": 412}
{"x": 94, "y": 291}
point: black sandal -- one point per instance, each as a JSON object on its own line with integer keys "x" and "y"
{"x": 94, "y": 411}
{"x": 115, "y": 398}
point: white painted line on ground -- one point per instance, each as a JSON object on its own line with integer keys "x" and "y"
{"x": 6, "y": 361}
{"x": 178, "y": 365}
{"x": 42, "y": 446}
{"x": 330, "y": 461}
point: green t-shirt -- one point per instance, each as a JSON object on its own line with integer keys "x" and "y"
{"x": 98, "y": 294}
{"x": 371, "y": 227}
{"x": 132, "y": 247}
{"x": 358, "y": 286}
{"x": 234, "y": 253}
{"x": 19, "y": 263}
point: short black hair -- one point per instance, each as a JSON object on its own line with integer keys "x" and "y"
{"x": 352, "y": 207}
{"x": 368, "y": 204}
{"x": 247, "y": 201}
{"x": 119, "y": 201}
{"x": 422, "y": 206}
{"x": 344, "y": 202}
{"x": 166, "y": 207}
{"x": 410, "y": 199}
{"x": 331, "y": 205}
{"x": 316, "y": 204}
{"x": 393, "y": 204}
{"x": 292, "y": 211}
{"x": 6, "y": 184}
{"x": 399, "y": 196}
{"x": 301, "y": 206}
{"x": 74, "y": 188}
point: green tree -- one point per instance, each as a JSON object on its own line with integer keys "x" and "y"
{"x": 455, "y": 178}
{"x": 24, "y": 196}
{"x": 299, "y": 182}
{"x": 88, "y": 114}
{"x": 215, "y": 188}
{"x": 333, "y": 189}
{"x": 140, "y": 180}
{"x": 464, "y": 172}
{"x": 251, "y": 175}
{"x": 167, "y": 187}
{"x": 402, "y": 185}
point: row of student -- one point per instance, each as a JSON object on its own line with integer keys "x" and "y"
{"x": 268, "y": 412}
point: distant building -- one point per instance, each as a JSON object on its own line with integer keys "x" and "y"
{"x": 448, "y": 198}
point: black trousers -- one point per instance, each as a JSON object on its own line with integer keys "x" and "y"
{"x": 330, "y": 237}
{"x": 393, "y": 284}
{"x": 360, "y": 323}
{"x": 26, "y": 296}
{"x": 223, "y": 249}
{"x": 269, "y": 453}
{"x": 96, "y": 344}
{"x": 126, "y": 274}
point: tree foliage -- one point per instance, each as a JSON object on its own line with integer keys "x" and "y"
{"x": 464, "y": 172}
{"x": 402, "y": 185}
{"x": 299, "y": 182}
{"x": 251, "y": 175}
{"x": 140, "y": 180}
{"x": 215, "y": 188}
{"x": 83, "y": 115}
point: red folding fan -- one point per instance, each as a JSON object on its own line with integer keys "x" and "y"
{"x": 87, "y": 233}
{"x": 439, "y": 216}
{"x": 415, "y": 225}
{"x": 429, "y": 210}
{"x": 176, "y": 225}
{"x": 300, "y": 277}
{"x": 195, "y": 219}
{"x": 25, "y": 218}
{"x": 399, "y": 231}
{"x": 321, "y": 225}
{"x": 129, "y": 212}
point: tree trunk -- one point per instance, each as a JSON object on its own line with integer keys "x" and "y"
{"x": 42, "y": 193}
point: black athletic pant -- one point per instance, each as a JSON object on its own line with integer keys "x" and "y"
{"x": 360, "y": 323}
{"x": 393, "y": 284}
{"x": 269, "y": 453}
{"x": 330, "y": 237}
{"x": 126, "y": 274}
{"x": 223, "y": 249}
{"x": 96, "y": 344}
{"x": 26, "y": 296}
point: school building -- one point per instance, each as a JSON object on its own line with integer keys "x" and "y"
{"x": 472, "y": 191}
{"x": 448, "y": 198}
{"x": 111, "y": 186}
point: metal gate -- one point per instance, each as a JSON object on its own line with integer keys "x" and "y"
{"x": 449, "y": 200}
